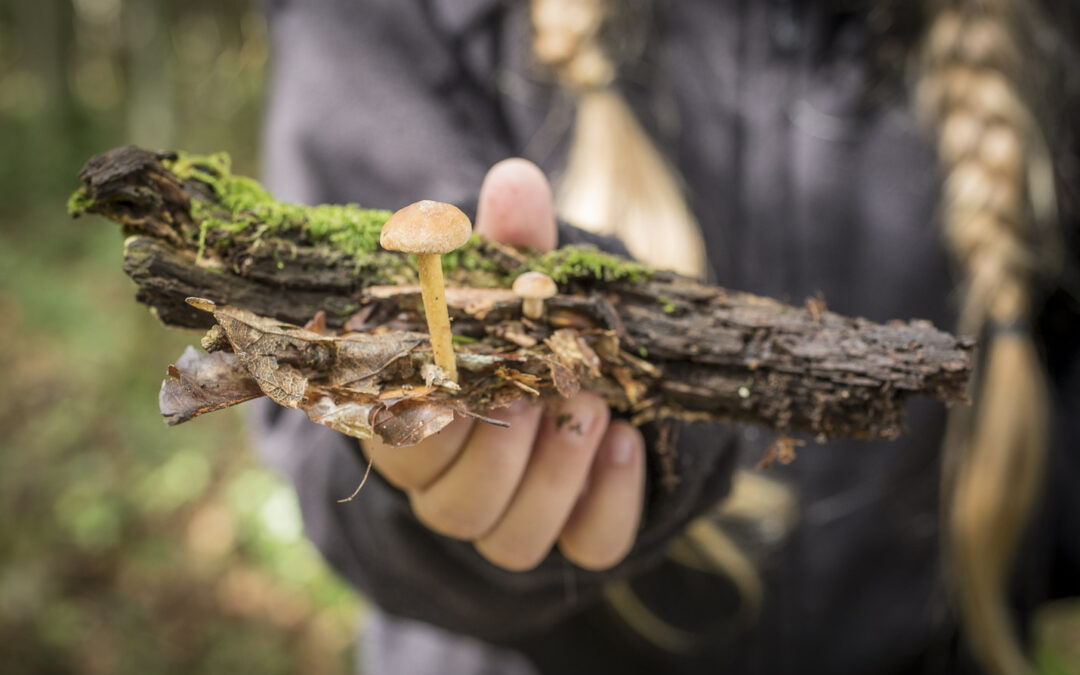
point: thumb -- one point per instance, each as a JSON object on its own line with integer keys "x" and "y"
{"x": 516, "y": 207}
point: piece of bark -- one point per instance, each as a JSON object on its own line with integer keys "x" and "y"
{"x": 655, "y": 346}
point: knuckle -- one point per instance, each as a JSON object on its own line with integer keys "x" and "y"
{"x": 590, "y": 556}
{"x": 511, "y": 557}
{"x": 451, "y": 520}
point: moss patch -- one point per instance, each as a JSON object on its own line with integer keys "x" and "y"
{"x": 245, "y": 207}
{"x": 79, "y": 202}
{"x": 472, "y": 257}
{"x": 585, "y": 262}
{"x": 243, "y": 215}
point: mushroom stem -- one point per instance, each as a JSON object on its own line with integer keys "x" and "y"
{"x": 532, "y": 308}
{"x": 433, "y": 291}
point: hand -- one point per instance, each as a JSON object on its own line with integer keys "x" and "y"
{"x": 564, "y": 475}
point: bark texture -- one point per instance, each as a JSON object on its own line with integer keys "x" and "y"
{"x": 654, "y": 343}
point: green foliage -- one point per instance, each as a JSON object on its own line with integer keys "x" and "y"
{"x": 131, "y": 547}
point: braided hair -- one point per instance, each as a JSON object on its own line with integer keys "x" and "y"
{"x": 979, "y": 72}
{"x": 979, "y": 78}
{"x": 616, "y": 182}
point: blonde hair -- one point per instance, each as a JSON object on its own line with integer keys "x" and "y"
{"x": 616, "y": 181}
{"x": 978, "y": 77}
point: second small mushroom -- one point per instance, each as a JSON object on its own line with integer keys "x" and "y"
{"x": 430, "y": 229}
{"x": 533, "y": 288}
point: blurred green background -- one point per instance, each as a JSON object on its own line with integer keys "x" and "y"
{"x": 127, "y": 547}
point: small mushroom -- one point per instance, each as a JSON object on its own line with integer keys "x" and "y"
{"x": 430, "y": 229}
{"x": 533, "y": 288}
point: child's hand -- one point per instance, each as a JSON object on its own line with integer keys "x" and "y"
{"x": 565, "y": 475}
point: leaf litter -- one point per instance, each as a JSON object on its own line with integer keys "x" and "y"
{"x": 384, "y": 382}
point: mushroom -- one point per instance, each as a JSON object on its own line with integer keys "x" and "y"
{"x": 429, "y": 229}
{"x": 533, "y": 288}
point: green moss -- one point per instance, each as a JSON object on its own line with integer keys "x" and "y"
{"x": 666, "y": 304}
{"x": 471, "y": 257}
{"x": 585, "y": 262}
{"x": 241, "y": 213}
{"x": 245, "y": 208}
{"x": 78, "y": 202}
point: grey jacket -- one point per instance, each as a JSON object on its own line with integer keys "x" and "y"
{"x": 805, "y": 177}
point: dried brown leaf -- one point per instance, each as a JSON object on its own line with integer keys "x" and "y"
{"x": 360, "y": 356}
{"x": 411, "y": 421}
{"x": 201, "y": 383}
{"x": 352, "y": 418}
{"x": 566, "y": 383}
{"x": 317, "y": 324}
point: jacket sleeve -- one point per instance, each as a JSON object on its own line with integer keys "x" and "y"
{"x": 385, "y": 102}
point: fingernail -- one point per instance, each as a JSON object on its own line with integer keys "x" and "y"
{"x": 623, "y": 447}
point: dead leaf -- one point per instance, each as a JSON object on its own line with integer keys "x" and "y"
{"x": 352, "y": 418}
{"x": 573, "y": 352}
{"x": 566, "y": 383}
{"x": 588, "y": 357}
{"x": 361, "y": 355}
{"x": 317, "y": 324}
{"x": 201, "y": 383}
{"x": 383, "y": 382}
{"x": 411, "y": 421}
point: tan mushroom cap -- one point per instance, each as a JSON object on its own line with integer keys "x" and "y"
{"x": 426, "y": 227}
{"x": 535, "y": 285}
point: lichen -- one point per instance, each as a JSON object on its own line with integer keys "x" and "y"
{"x": 585, "y": 262}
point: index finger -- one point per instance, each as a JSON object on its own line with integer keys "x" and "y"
{"x": 516, "y": 206}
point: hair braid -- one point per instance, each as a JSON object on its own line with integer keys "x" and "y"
{"x": 979, "y": 71}
{"x": 999, "y": 216}
{"x": 616, "y": 181}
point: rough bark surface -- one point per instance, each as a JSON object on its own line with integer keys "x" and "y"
{"x": 662, "y": 345}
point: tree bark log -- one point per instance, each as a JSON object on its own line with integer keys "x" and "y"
{"x": 710, "y": 353}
